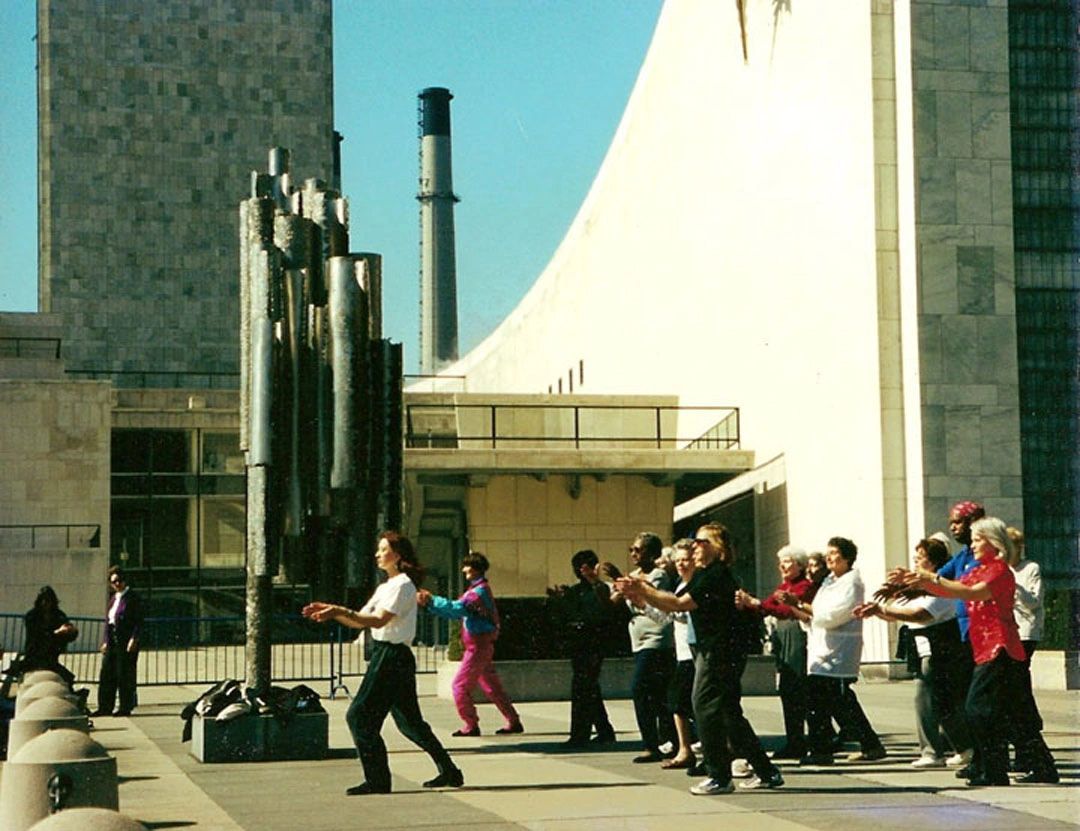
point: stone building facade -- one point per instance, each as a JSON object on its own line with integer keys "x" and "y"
{"x": 152, "y": 116}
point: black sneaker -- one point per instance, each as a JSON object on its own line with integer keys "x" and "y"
{"x": 364, "y": 788}
{"x": 510, "y": 728}
{"x": 816, "y": 759}
{"x": 452, "y": 778}
{"x": 472, "y": 734}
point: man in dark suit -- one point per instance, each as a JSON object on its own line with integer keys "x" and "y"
{"x": 120, "y": 648}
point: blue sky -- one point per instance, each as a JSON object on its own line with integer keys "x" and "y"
{"x": 539, "y": 87}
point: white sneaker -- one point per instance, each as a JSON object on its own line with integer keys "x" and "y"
{"x": 959, "y": 760}
{"x": 712, "y": 787}
{"x": 928, "y": 761}
{"x": 740, "y": 769}
{"x": 667, "y": 748}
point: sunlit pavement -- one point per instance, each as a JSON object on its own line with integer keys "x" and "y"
{"x": 528, "y": 781}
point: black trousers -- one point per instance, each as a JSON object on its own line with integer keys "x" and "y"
{"x": 832, "y": 698}
{"x": 653, "y": 669}
{"x": 118, "y": 668}
{"x": 389, "y": 687}
{"x": 995, "y": 714}
{"x": 722, "y": 727}
{"x": 792, "y": 688}
{"x": 586, "y": 699}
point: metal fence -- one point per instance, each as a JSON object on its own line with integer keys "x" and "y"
{"x": 187, "y": 650}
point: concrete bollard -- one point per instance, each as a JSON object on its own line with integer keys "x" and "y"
{"x": 41, "y": 715}
{"x": 36, "y": 676}
{"x": 58, "y": 770}
{"x": 43, "y": 689}
{"x": 88, "y": 819}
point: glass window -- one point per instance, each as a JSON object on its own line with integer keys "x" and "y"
{"x": 221, "y": 453}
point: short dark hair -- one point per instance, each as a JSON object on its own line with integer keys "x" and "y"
{"x": 651, "y": 546}
{"x": 936, "y": 551}
{"x": 476, "y": 560}
{"x": 585, "y": 557}
{"x": 848, "y": 550}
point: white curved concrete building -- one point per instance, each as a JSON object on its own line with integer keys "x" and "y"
{"x": 820, "y": 235}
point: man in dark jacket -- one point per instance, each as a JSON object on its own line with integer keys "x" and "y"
{"x": 120, "y": 648}
{"x": 587, "y": 609}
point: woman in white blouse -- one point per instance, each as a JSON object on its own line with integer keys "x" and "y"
{"x": 833, "y": 651}
{"x": 389, "y": 685}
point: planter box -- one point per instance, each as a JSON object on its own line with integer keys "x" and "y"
{"x": 255, "y": 738}
{"x": 550, "y": 680}
{"x": 1055, "y": 670}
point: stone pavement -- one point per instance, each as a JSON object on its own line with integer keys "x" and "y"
{"x": 526, "y": 781}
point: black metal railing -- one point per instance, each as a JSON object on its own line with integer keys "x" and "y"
{"x": 495, "y": 425}
{"x": 48, "y": 535}
{"x": 185, "y": 650}
{"x": 19, "y": 346}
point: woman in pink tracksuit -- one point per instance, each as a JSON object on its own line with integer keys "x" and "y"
{"x": 479, "y": 628}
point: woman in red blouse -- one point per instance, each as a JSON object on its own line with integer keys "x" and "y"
{"x": 988, "y": 591}
{"x": 789, "y": 645}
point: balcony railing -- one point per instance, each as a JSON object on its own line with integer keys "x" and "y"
{"x": 567, "y": 426}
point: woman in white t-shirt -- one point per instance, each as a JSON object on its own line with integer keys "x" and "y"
{"x": 389, "y": 685}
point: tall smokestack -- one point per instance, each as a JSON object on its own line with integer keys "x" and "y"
{"x": 438, "y": 269}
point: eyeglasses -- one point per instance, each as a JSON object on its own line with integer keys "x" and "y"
{"x": 635, "y": 548}
{"x": 701, "y": 541}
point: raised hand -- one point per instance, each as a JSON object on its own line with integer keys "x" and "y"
{"x": 320, "y": 612}
{"x": 423, "y": 597}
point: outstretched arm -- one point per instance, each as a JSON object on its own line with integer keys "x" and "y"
{"x": 325, "y": 612}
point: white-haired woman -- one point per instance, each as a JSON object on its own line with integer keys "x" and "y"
{"x": 988, "y": 591}
{"x": 789, "y": 644}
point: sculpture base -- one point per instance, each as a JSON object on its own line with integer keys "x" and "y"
{"x": 255, "y": 738}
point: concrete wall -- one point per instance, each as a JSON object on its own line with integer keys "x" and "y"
{"x": 54, "y": 451}
{"x": 530, "y": 528}
{"x": 77, "y": 574}
{"x": 964, "y": 234}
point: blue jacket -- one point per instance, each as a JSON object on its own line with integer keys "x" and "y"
{"x": 476, "y": 607}
{"x": 960, "y": 564}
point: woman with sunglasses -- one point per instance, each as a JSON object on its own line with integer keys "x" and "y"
{"x": 710, "y": 599}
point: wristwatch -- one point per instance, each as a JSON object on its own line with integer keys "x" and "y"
{"x": 937, "y": 579}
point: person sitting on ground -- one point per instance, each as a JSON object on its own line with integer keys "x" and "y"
{"x": 479, "y": 618}
{"x": 48, "y": 633}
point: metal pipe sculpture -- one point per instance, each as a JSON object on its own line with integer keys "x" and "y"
{"x": 320, "y": 400}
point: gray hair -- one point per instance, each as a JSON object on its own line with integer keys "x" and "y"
{"x": 943, "y": 538}
{"x": 994, "y": 531}
{"x": 799, "y": 555}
